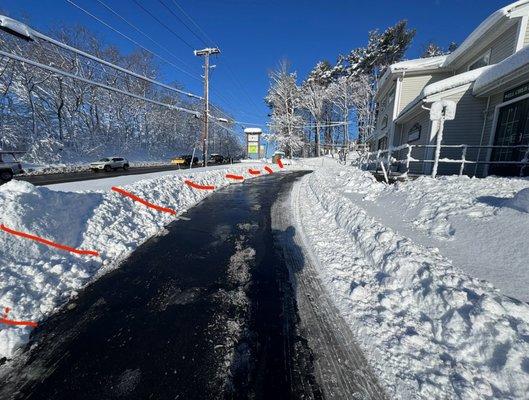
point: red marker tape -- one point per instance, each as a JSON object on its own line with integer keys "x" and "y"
{"x": 268, "y": 169}
{"x": 144, "y": 202}
{"x": 6, "y": 321}
{"x": 280, "y": 163}
{"x": 48, "y": 242}
{"x": 236, "y": 177}
{"x": 197, "y": 186}
{"x": 254, "y": 171}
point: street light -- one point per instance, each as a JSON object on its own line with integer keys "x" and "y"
{"x": 16, "y": 28}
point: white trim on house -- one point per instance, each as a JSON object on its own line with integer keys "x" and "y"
{"x": 495, "y": 122}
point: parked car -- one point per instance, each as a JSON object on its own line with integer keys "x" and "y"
{"x": 9, "y": 165}
{"x": 184, "y": 160}
{"x": 216, "y": 159}
{"x": 108, "y": 164}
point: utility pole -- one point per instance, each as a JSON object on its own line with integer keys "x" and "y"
{"x": 205, "y": 134}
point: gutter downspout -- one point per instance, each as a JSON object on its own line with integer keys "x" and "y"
{"x": 485, "y": 116}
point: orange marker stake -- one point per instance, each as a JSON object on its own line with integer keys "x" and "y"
{"x": 48, "y": 242}
{"x": 6, "y": 321}
{"x": 254, "y": 171}
{"x": 142, "y": 201}
{"x": 280, "y": 163}
{"x": 268, "y": 169}
{"x": 197, "y": 186}
{"x": 236, "y": 177}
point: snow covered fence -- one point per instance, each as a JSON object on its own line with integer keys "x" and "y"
{"x": 35, "y": 279}
{"x": 430, "y": 330}
{"x": 385, "y": 158}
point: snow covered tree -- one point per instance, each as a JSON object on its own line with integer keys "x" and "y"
{"x": 283, "y": 98}
{"x": 60, "y": 119}
{"x": 432, "y": 50}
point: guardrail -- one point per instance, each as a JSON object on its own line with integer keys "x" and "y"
{"x": 385, "y": 160}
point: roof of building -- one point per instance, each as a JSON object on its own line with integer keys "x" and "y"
{"x": 486, "y": 26}
{"x": 444, "y": 62}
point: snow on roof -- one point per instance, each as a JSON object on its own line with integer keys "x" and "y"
{"x": 418, "y": 64}
{"x": 482, "y": 29}
{"x": 454, "y": 81}
{"x": 503, "y": 69}
{"x": 253, "y": 130}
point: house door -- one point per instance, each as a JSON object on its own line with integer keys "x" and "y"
{"x": 512, "y": 130}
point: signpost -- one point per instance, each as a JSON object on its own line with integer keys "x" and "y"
{"x": 441, "y": 111}
{"x": 253, "y": 142}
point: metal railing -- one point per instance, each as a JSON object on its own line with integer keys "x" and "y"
{"x": 385, "y": 160}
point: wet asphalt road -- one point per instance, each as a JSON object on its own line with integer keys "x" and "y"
{"x": 204, "y": 312}
{"x": 51, "y": 179}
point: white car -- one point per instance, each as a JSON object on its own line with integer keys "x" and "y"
{"x": 9, "y": 165}
{"x": 108, "y": 164}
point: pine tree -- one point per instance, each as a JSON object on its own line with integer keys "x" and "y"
{"x": 432, "y": 50}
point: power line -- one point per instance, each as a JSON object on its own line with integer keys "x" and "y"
{"x": 108, "y": 64}
{"x": 230, "y": 73}
{"x": 132, "y": 40}
{"x": 90, "y": 82}
{"x": 183, "y": 22}
{"x": 141, "y": 32}
{"x": 194, "y": 23}
{"x": 163, "y": 24}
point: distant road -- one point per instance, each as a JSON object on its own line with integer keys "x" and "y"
{"x": 51, "y": 179}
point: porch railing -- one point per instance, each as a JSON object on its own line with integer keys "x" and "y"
{"x": 385, "y": 160}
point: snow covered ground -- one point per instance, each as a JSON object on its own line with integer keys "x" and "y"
{"x": 36, "y": 279}
{"x": 405, "y": 266}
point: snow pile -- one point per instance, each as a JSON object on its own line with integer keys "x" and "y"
{"x": 35, "y": 279}
{"x": 518, "y": 61}
{"x": 520, "y": 201}
{"x": 454, "y": 81}
{"x": 433, "y": 204}
{"x": 430, "y": 330}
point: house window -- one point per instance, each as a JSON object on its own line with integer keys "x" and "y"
{"x": 383, "y": 143}
{"x": 414, "y": 133}
{"x": 482, "y": 61}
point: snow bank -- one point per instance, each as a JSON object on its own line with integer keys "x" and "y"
{"x": 501, "y": 70}
{"x": 430, "y": 330}
{"x": 36, "y": 279}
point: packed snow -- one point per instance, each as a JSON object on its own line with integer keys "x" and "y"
{"x": 430, "y": 329}
{"x": 36, "y": 279}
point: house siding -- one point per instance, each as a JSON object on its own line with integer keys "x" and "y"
{"x": 466, "y": 128}
{"x": 401, "y": 137}
{"x": 412, "y": 86}
{"x": 526, "y": 36}
{"x": 386, "y": 112}
{"x": 501, "y": 48}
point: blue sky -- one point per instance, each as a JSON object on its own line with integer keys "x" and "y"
{"x": 254, "y": 35}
